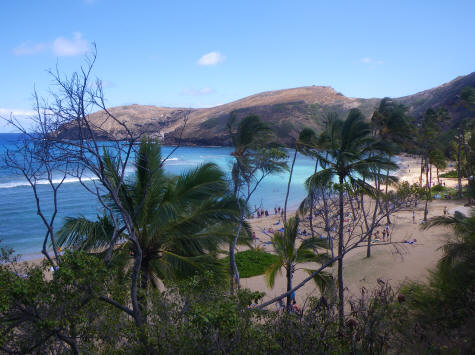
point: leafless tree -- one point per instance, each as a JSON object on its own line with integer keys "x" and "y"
{"x": 363, "y": 215}
{"x": 66, "y": 141}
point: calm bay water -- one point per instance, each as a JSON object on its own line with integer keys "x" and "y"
{"x": 22, "y": 229}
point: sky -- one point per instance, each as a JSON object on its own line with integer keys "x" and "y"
{"x": 205, "y": 53}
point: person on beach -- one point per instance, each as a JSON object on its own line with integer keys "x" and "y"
{"x": 376, "y": 236}
{"x": 295, "y": 308}
{"x": 445, "y": 211}
{"x": 387, "y": 230}
{"x": 280, "y": 306}
{"x": 384, "y": 235}
{"x": 413, "y": 217}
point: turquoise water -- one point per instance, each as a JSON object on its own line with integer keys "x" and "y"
{"x": 22, "y": 229}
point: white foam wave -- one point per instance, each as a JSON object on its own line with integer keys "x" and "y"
{"x": 18, "y": 183}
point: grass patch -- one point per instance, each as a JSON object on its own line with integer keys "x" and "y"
{"x": 252, "y": 262}
{"x": 451, "y": 174}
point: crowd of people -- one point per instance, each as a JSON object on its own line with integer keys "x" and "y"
{"x": 261, "y": 212}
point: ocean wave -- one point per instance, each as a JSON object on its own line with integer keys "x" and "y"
{"x": 18, "y": 183}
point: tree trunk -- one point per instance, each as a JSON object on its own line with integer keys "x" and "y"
{"x": 459, "y": 168}
{"x": 326, "y": 218}
{"x": 289, "y": 287}
{"x": 388, "y": 219}
{"x": 426, "y": 208}
{"x": 311, "y": 204}
{"x": 288, "y": 186}
{"x": 233, "y": 270}
{"x": 430, "y": 177}
{"x": 341, "y": 308}
{"x": 377, "y": 186}
{"x": 422, "y": 170}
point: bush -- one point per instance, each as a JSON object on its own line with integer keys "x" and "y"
{"x": 438, "y": 188}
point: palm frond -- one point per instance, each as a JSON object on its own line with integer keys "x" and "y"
{"x": 272, "y": 271}
{"x": 323, "y": 280}
{"x": 81, "y": 233}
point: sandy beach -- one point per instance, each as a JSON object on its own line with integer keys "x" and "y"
{"x": 394, "y": 263}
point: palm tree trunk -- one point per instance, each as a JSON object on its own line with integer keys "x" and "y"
{"x": 368, "y": 229}
{"x": 426, "y": 208}
{"x": 311, "y": 204}
{"x": 326, "y": 220}
{"x": 368, "y": 247}
{"x": 459, "y": 168}
{"x": 143, "y": 286}
{"x": 422, "y": 170}
{"x": 341, "y": 315}
{"x": 388, "y": 219}
{"x": 288, "y": 185}
{"x": 233, "y": 270}
{"x": 289, "y": 286}
{"x": 430, "y": 176}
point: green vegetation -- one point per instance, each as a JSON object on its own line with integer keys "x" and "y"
{"x": 351, "y": 153}
{"x": 211, "y": 123}
{"x": 450, "y": 174}
{"x": 256, "y": 156}
{"x": 252, "y": 262}
{"x": 289, "y": 255}
{"x": 284, "y": 129}
{"x": 145, "y": 277}
{"x": 179, "y": 220}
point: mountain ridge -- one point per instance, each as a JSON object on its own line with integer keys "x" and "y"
{"x": 286, "y": 110}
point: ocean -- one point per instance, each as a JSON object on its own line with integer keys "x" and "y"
{"x": 21, "y": 228}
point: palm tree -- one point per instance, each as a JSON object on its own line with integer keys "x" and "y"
{"x": 352, "y": 154}
{"x": 308, "y": 143}
{"x": 391, "y": 124}
{"x": 455, "y": 274}
{"x": 255, "y": 158}
{"x": 437, "y": 158}
{"x": 179, "y": 220}
{"x": 289, "y": 255}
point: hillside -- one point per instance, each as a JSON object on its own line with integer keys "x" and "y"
{"x": 286, "y": 110}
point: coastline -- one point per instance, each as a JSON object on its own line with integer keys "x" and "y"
{"x": 410, "y": 262}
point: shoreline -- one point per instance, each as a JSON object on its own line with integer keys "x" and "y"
{"x": 411, "y": 262}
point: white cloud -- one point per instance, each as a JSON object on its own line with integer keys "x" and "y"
{"x": 197, "y": 92}
{"x": 21, "y": 116}
{"x": 16, "y": 112}
{"x": 368, "y": 60}
{"x": 211, "y": 59}
{"x": 61, "y": 46}
{"x": 28, "y": 48}
{"x": 70, "y": 47}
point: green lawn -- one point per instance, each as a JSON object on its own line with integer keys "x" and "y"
{"x": 450, "y": 174}
{"x": 252, "y": 262}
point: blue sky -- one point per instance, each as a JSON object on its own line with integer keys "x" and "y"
{"x": 205, "y": 53}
